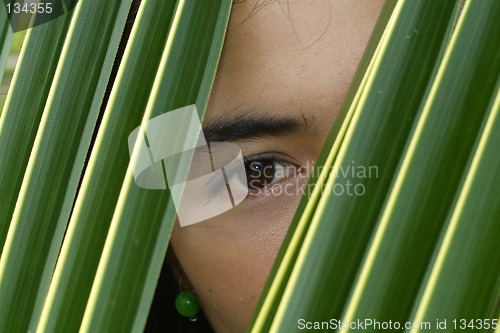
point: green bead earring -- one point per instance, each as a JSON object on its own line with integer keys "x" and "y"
{"x": 187, "y": 304}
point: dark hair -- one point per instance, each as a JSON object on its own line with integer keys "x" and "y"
{"x": 119, "y": 55}
{"x": 134, "y": 9}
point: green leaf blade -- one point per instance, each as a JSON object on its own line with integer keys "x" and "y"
{"x": 430, "y": 174}
{"x": 142, "y": 222}
{"x": 21, "y": 116}
{"x": 94, "y": 207}
{"x": 56, "y": 161}
{"x": 342, "y": 225}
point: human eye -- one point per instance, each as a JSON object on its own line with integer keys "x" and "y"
{"x": 268, "y": 168}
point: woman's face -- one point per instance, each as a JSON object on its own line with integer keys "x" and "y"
{"x": 285, "y": 69}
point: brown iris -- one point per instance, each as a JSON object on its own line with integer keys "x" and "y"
{"x": 260, "y": 173}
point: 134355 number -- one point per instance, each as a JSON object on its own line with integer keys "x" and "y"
{"x": 29, "y": 8}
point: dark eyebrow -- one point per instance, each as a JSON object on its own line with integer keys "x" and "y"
{"x": 250, "y": 126}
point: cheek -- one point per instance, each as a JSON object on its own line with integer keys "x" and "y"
{"x": 227, "y": 259}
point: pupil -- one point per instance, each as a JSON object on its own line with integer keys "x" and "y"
{"x": 259, "y": 174}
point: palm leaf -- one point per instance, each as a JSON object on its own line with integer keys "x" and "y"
{"x": 384, "y": 240}
{"x": 100, "y": 188}
{"x": 21, "y": 116}
{"x": 59, "y": 150}
{"x": 6, "y": 36}
{"x": 40, "y": 218}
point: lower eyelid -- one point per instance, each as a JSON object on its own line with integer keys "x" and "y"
{"x": 256, "y": 194}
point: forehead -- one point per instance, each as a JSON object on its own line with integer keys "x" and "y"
{"x": 291, "y": 56}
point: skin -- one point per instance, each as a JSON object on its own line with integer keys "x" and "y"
{"x": 295, "y": 60}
